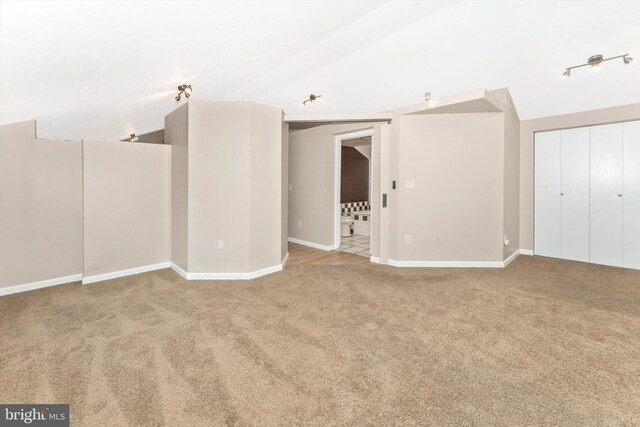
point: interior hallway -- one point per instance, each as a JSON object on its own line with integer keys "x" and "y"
{"x": 304, "y": 255}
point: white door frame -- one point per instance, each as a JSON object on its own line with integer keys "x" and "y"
{"x": 338, "y": 161}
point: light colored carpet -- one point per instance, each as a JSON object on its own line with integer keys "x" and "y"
{"x": 543, "y": 342}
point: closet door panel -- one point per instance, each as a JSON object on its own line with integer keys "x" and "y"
{"x": 574, "y": 190}
{"x": 547, "y": 194}
{"x": 631, "y": 195}
{"x": 606, "y": 195}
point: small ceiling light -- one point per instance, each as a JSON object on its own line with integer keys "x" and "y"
{"x": 185, "y": 90}
{"x": 133, "y": 137}
{"x": 312, "y": 98}
{"x": 594, "y": 62}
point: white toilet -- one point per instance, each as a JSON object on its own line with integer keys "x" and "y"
{"x": 345, "y": 225}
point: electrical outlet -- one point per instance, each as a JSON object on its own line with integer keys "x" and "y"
{"x": 299, "y": 224}
{"x": 220, "y": 244}
{"x": 408, "y": 240}
{"x": 411, "y": 184}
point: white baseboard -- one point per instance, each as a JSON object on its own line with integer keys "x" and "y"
{"x": 313, "y": 245}
{"x": 447, "y": 264}
{"x": 511, "y": 258}
{"x": 457, "y": 264}
{"x": 178, "y": 270}
{"x": 8, "y": 290}
{"x": 122, "y": 273}
{"x": 374, "y": 259}
{"x": 528, "y": 252}
{"x": 230, "y": 276}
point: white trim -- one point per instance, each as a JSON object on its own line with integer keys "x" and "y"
{"x": 457, "y": 264}
{"x": 178, "y": 270}
{"x": 527, "y": 252}
{"x": 511, "y": 258}
{"x": 230, "y": 276}
{"x": 122, "y": 273}
{"x": 374, "y": 259}
{"x": 8, "y": 290}
{"x": 448, "y": 264}
{"x": 337, "y": 161}
{"x": 313, "y": 245}
{"x": 334, "y": 118}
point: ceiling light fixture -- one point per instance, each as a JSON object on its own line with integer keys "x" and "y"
{"x": 185, "y": 90}
{"x": 594, "y": 62}
{"x": 312, "y": 98}
{"x": 133, "y": 137}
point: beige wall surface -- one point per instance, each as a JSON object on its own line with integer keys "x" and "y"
{"x": 511, "y": 223}
{"x": 40, "y": 206}
{"x": 455, "y": 211}
{"x": 527, "y": 130}
{"x": 284, "y": 207}
{"x": 235, "y": 183}
{"x": 312, "y": 179}
{"x": 265, "y": 190}
{"x": 176, "y": 135}
{"x": 126, "y": 205}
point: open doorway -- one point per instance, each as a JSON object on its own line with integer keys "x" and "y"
{"x": 354, "y": 168}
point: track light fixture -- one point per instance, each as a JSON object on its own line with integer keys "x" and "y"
{"x": 185, "y": 90}
{"x": 133, "y": 137}
{"x": 594, "y": 62}
{"x": 312, "y": 98}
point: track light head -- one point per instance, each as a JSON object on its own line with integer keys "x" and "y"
{"x": 312, "y": 98}
{"x": 594, "y": 62}
{"x": 133, "y": 137}
{"x": 185, "y": 90}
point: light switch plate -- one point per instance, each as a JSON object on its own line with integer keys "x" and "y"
{"x": 220, "y": 244}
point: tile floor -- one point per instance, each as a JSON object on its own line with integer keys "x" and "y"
{"x": 356, "y": 244}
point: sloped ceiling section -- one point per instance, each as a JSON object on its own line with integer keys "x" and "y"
{"x": 107, "y": 69}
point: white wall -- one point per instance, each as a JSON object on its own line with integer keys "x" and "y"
{"x": 40, "y": 206}
{"x": 126, "y": 189}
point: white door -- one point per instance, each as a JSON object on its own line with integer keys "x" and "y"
{"x": 606, "y": 195}
{"x": 631, "y": 195}
{"x": 574, "y": 194}
{"x": 547, "y": 194}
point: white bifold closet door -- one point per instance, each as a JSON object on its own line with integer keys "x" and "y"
{"x": 606, "y": 194}
{"x": 574, "y": 194}
{"x": 631, "y": 195}
{"x": 547, "y": 194}
{"x": 562, "y": 194}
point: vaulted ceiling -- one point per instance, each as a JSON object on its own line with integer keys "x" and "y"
{"x": 107, "y": 69}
